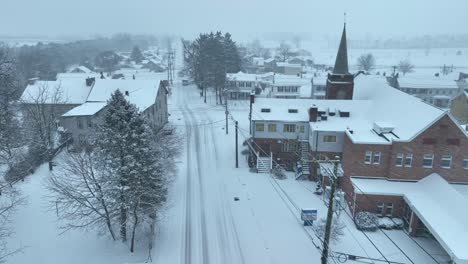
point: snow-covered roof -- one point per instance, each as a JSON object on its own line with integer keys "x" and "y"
{"x": 64, "y": 91}
{"x": 240, "y": 76}
{"x": 438, "y": 204}
{"x": 281, "y": 80}
{"x": 142, "y": 93}
{"x": 427, "y": 83}
{"x": 86, "y": 109}
{"x": 373, "y": 101}
{"x": 79, "y": 69}
{"x": 286, "y": 64}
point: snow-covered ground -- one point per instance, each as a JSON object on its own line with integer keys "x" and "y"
{"x": 203, "y": 223}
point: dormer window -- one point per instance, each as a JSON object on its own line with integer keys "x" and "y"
{"x": 265, "y": 110}
{"x": 292, "y": 111}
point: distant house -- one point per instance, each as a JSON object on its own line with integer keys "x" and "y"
{"x": 269, "y": 65}
{"x": 57, "y": 97}
{"x": 288, "y": 68}
{"x": 434, "y": 90}
{"x": 459, "y": 107}
{"x": 297, "y": 61}
{"x": 240, "y": 85}
{"x": 79, "y": 69}
{"x": 290, "y": 87}
{"x": 149, "y": 96}
{"x": 154, "y": 66}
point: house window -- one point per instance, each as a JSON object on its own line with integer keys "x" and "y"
{"x": 265, "y": 110}
{"x": 302, "y": 129}
{"x": 389, "y": 209}
{"x": 260, "y": 127}
{"x": 399, "y": 160}
{"x": 465, "y": 163}
{"x": 79, "y": 123}
{"x": 376, "y": 159}
{"x": 280, "y": 89}
{"x": 329, "y": 139}
{"x": 446, "y": 161}
{"x": 90, "y": 123}
{"x": 368, "y": 157}
{"x": 289, "y": 128}
{"x": 427, "y": 160}
{"x": 294, "y": 89}
{"x": 292, "y": 111}
{"x": 289, "y": 147}
{"x": 271, "y": 127}
{"x": 380, "y": 209}
{"x": 408, "y": 160}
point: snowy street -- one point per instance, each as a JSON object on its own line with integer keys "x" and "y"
{"x": 202, "y": 222}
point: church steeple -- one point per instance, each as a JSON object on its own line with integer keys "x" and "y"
{"x": 340, "y": 83}
{"x": 341, "y": 62}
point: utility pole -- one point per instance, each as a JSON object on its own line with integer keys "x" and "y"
{"x": 237, "y": 146}
{"x": 204, "y": 89}
{"x": 252, "y": 100}
{"x": 227, "y": 113}
{"x": 333, "y": 181}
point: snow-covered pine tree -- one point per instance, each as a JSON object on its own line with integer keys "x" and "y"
{"x": 125, "y": 148}
{"x": 113, "y": 145}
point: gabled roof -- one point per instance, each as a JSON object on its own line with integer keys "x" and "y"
{"x": 341, "y": 62}
{"x": 66, "y": 91}
{"x": 86, "y": 109}
{"x": 142, "y": 93}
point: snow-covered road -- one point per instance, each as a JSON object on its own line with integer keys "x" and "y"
{"x": 203, "y": 223}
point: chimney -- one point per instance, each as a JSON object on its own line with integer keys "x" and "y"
{"x": 90, "y": 81}
{"x": 126, "y": 93}
{"x": 313, "y": 113}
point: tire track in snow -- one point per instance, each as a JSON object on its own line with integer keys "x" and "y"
{"x": 204, "y": 241}
{"x": 187, "y": 254}
{"x": 225, "y": 217}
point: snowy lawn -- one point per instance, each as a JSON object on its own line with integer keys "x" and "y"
{"x": 37, "y": 232}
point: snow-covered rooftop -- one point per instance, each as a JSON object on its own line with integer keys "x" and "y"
{"x": 86, "y": 109}
{"x": 80, "y": 69}
{"x": 142, "y": 93}
{"x": 241, "y": 76}
{"x": 286, "y": 64}
{"x": 437, "y": 204}
{"x": 373, "y": 101}
{"x": 427, "y": 82}
{"x": 64, "y": 91}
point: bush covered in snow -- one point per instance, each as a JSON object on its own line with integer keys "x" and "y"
{"x": 279, "y": 173}
{"x": 390, "y": 223}
{"x": 366, "y": 221}
{"x": 398, "y": 223}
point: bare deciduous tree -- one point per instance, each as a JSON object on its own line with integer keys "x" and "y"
{"x": 336, "y": 229}
{"x": 284, "y": 51}
{"x": 10, "y": 199}
{"x": 79, "y": 194}
{"x": 42, "y": 110}
{"x": 366, "y": 62}
{"x": 9, "y": 125}
{"x": 405, "y": 66}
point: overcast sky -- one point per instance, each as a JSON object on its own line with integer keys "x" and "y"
{"x": 242, "y": 17}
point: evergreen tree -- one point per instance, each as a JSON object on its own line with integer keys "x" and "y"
{"x": 136, "y": 55}
{"x": 125, "y": 149}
